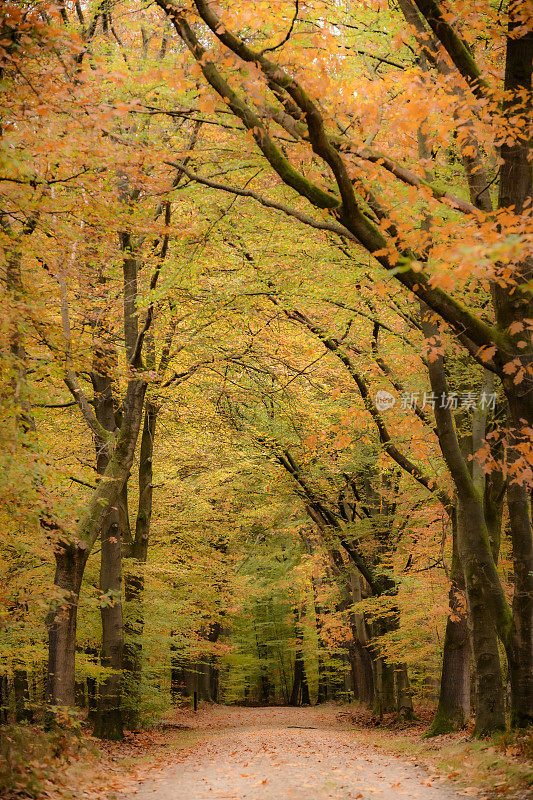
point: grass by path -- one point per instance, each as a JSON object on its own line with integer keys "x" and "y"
{"x": 501, "y": 766}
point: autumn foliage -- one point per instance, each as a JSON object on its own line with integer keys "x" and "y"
{"x": 266, "y": 350}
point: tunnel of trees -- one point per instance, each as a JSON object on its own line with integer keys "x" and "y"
{"x": 266, "y": 357}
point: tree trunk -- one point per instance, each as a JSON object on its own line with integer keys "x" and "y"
{"x": 488, "y": 611}
{"x": 208, "y": 666}
{"x": 179, "y": 685}
{"x": 202, "y": 672}
{"x": 265, "y": 687}
{"x": 214, "y": 675}
{"x": 108, "y": 717}
{"x": 520, "y": 650}
{"x": 387, "y": 687}
{"x": 71, "y": 557}
{"x": 108, "y": 721}
{"x": 134, "y": 581}
{"x": 384, "y": 700}
{"x": 132, "y": 655}
{"x": 512, "y": 308}
{"x": 61, "y": 624}
{"x": 364, "y": 673}
{"x": 453, "y": 710}
{"x": 473, "y": 548}
{"x": 300, "y": 688}
{"x": 306, "y": 699}
{"x": 322, "y": 695}
{"x": 133, "y": 631}
{"x": 404, "y": 698}
{"x": 4, "y": 699}
{"x": 23, "y": 712}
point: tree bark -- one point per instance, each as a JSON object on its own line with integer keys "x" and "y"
{"x": 134, "y": 580}
{"x": 453, "y": 710}
{"x": 364, "y": 674}
{"x": 71, "y": 556}
{"x": 475, "y": 555}
{"x": 4, "y": 699}
{"x": 322, "y": 693}
{"x": 486, "y": 600}
{"x": 265, "y": 687}
{"x": 520, "y": 650}
{"x": 23, "y": 712}
{"x": 108, "y": 718}
{"x": 300, "y": 688}
{"x": 61, "y": 624}
{"x": 384, "y": 699}
{"x": 404, "y": 697}
{"x": 514, "y": 307}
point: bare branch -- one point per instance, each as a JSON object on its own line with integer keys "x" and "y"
{"x": 324, "y": 225}
{"x": 103, "y": 437}
{"x": 288, "y": 34}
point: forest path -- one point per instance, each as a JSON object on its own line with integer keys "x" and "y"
{"x": 286, "y": 754}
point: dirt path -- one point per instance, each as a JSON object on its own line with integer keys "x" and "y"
{"x": 286, "y": 754}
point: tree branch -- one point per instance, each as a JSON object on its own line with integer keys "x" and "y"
{"x": 323, "y": 225}
{"x": 400, "y": 264}
{"x": 103, "y": 437}
{"x": 386, "y": 440}
{"x": 456, "y": 47}
{"x": 288, "y": 34}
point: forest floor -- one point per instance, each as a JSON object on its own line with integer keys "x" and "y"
{"x": 275, "y": 753}
{"x": 235, "y": 753}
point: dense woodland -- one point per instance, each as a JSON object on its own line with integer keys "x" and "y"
{"x": 266, "y": 358}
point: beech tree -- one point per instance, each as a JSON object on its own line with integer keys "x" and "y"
{"x": 500, "y": 341}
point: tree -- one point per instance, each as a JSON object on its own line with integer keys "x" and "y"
{"x": 359, "y": 216}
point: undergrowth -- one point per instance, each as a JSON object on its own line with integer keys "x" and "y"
{"x": 31, "y": 757}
